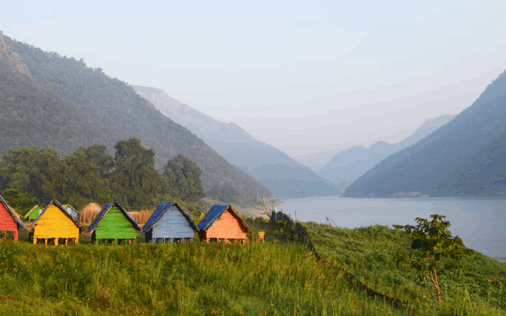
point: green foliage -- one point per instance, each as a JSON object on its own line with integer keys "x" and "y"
{"x": 371, "y": 253}
{"x": 90, "y": 175}
{"x": 432, "y": 243}
{"x": 21, "y": 202}
{"x": 184, "y": 178}
{"x": 135, "y": 180}
{"x": 34, "y": 171}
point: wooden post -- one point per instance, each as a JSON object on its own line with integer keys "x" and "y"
{"x": 15, "y": 235}
{"x": 34, "y": 239}
{"x": 45, "y": 241}
{"x": 66, "y": 241}
{"x": 56, "y": 241}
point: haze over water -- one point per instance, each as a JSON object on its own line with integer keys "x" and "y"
{"x": 480, "y": 222}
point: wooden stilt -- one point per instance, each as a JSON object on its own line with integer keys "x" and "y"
{"x": 45, "y": 241}
{"x": 66, "y": 241}
{"x": 15, "y": 235}
{"x": 34, "y": 239}
{"x": 56, "y": 241}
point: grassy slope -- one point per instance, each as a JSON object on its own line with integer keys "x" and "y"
{"x": 369, "y": 253}
{"x": 275, "y": 278}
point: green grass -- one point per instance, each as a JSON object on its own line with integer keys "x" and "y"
{"x": 370, "y": 253}
{"x": 278, "y": 277}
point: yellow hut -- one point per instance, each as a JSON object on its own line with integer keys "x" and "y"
{"x": 55, "y": 224}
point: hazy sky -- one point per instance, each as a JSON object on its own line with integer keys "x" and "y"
{"x": 303, "y": 76}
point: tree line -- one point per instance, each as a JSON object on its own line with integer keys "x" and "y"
{"x": 32, "y": 175}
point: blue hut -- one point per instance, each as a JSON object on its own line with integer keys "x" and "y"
{"x": 169, "y": 222}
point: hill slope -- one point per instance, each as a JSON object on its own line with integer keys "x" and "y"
{"x": 348, "y": 165}
{"x": 464, "y": 157}
{"x": 272, "y": 167}
{"x": 83, "y": 106}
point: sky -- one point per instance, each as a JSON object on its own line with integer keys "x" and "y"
{"x": 307, "y": 77}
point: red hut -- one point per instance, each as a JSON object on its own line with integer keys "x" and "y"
{"x": 8, "y": 219}
{"x": 223, "y": 222}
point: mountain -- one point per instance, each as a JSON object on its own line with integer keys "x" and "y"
{"x": 348, "y": 165}
{"x": 466, "y": 156}
{"x": 51, "y": 100}
{"x": 272, "y": 167}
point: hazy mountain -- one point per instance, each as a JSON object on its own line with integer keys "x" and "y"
{"x": 348, "y": 165}
{"x": 272, "y": 167}
{"x": 51, "y": 100}
{"x": 464, "y": 157}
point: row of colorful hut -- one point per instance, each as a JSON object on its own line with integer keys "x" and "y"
{"x": 113, "y": 224}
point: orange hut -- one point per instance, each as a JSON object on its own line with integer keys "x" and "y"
{"x": 9, "y": 220}
{"x": 223, "y": 222}
{"x": 55, "y": 224}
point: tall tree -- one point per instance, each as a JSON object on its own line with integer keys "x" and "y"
{"x": 86, "y": 174}
{"x": 184, "y": 178}
{"x": 135, "y": 179}
{"x": 34, "y": 171}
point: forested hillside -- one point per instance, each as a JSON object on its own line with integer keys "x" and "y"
{"x": 60, "y": 102}
{"x": 348, "y": 165}
{"x": 464, "y": 157}
{"x": 272, "y": 167}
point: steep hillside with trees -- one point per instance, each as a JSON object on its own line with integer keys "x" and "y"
{"x": 464, "y": 157}
{"x": 272, "y": 167}
{"x": 60, "y": 102}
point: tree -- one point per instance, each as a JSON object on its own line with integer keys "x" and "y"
{"x": 135, "y": 179}
{"x": 184, "y": 178}
{"x": 86, "y": 174}
{"x": 34, "y": 171}
{"x": 434, "y": 249}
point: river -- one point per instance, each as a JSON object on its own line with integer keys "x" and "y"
{"x": 480, "y": 222}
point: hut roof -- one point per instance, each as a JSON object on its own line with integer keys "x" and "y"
{"x": 92, "y": 207}
{"x": 216, "y": 212}
{"x": 160, "y": 211}
{"x": 14, "y": 215}
{"x": 105, "y": 210}
{"x": 30, "y": 211}
{"x": 57, "y": 204}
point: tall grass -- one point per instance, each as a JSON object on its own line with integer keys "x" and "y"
{"x": 189, "y": 279}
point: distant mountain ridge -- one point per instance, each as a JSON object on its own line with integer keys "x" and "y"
{"x": 272, "y": 167}
{"x": 49, "y": 100}
{"x": 348, "y": 165}
{"x": 464, "y": 157}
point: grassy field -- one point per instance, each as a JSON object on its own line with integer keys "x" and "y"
{"x": 278, "y": 277}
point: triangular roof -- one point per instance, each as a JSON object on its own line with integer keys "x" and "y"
{"x": 30, "y": 211}
{"x": 160, "y": 211}
{"x": 215, "y": 213}
{"x": 57, "y": 204}
{"x": 11, "y": 212}
{"x": 105, "y": 210}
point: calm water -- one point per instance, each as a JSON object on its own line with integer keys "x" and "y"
{"x": 480, "y": 222}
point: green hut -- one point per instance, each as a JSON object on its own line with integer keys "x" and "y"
{"x": 113, "y": 224}
{"x": 34, "y": 213}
